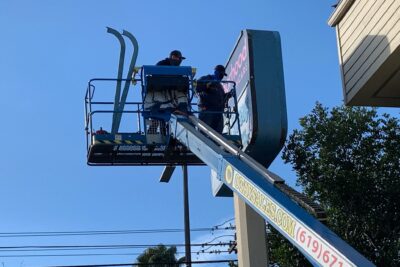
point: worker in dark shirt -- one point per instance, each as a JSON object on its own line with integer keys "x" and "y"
{"x": 212, "y": 98}
{"x": 176, "y": 99}
{"x": 171, "y": 101}
{"x": 175, "y": 59}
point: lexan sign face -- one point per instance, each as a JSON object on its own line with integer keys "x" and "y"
{"x": 256, "y": 67}
{"x": 238, "y": 66}
{"x": 238, "y": 70}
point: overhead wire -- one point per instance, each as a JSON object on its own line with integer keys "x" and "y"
{"x": 38, "y": 248}
{"x": 210, "y": 245}
{"x": 113, "y": 232}
{"x": 92, "y": 247}
{"x": 141, "y": 264}
{"x": 100, "y": 232}
{"x": 216, "y": 227}
{"x": 92, "y": 254}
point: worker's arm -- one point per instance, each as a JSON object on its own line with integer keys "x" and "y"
{"x": 201, "y": 86}
{"x": 230, "y": 94}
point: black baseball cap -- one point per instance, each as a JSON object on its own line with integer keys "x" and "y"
{"x": 220, "y": 68}
{"x": 176, "y": 53}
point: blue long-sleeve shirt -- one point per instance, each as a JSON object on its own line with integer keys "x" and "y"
{"x": 212, "y": 96}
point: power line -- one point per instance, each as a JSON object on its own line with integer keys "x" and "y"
{"x": 210, "y": 245}
{"x": 93, "y": 247}
{"x": 33, "y": 248}
{"x": 69, "y": 255}
{"x": 107, "y": 232}
{"x": 112, "y": 232}
{"x": 97, "y": 254}
{"x": 143, "y": 264}
{"x": 216, "y": 227}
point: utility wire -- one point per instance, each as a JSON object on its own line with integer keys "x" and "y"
{"x": 99, "y": 247}
{"x": 102, "y": 232}
{"x": 94, "y": 254}
{"x": 143, "y": 264}
{"x": 216, "y": 227}
{"x": 210, "y": 245}
{"x": 94, "y": 247}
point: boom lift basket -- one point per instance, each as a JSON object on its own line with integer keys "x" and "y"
{"x": 164, "y": 90}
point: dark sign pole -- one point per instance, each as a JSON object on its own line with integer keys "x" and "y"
{"x": 188, "y": 252}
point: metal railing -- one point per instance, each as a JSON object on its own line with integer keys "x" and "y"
{"x": 96, "y": 108}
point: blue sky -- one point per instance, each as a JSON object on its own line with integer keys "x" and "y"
{"x": 48, "y": 52}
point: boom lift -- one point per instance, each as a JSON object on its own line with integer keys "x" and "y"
{"x": 163, "y": 136}
{"x": 164, "y": 90}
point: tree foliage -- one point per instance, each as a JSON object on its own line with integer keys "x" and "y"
{"x": 281, "y": 252}
{"x": 160, "y": 256}
{"x": 348, "y": 160}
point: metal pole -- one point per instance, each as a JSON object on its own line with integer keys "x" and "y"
{"x": 266, "y": 242}
{"x": 188, "y": 252}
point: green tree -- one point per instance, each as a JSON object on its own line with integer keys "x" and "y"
{"x": 281, "y": 252}
{"x": 348, "y": 160}
{"x": 160, "y": 255}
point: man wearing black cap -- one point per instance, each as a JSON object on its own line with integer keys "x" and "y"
{"x": 212, "y": 98}
{"x": 175, "y": 59}
{"x": 172, "y": 100}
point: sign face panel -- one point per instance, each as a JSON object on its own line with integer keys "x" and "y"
{"x": 246, "y": 116}
{"x": 303, "y": 237}
{"x": 255, "y": 66}
{"x": 238, "y": 70}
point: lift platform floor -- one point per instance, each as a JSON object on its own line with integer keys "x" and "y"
{"x": 132, "y": 150}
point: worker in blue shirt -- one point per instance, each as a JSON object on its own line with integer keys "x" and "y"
{"x": 212, "y": 98}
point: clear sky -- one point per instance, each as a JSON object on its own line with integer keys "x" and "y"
{"x": 48, "y": 52}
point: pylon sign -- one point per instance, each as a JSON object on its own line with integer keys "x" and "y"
{"x": 255, "y": 65}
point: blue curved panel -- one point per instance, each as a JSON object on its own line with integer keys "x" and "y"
{"x": 256, "y": 66}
